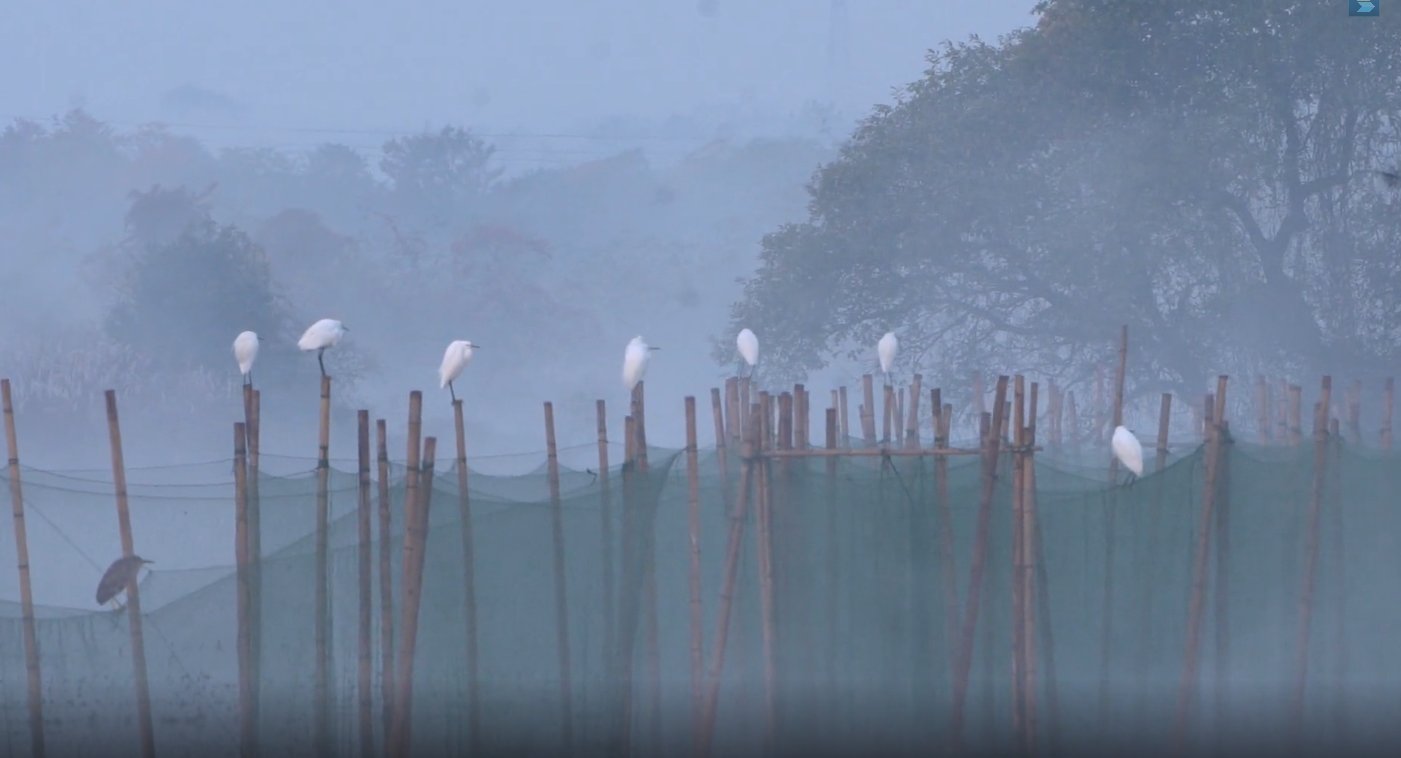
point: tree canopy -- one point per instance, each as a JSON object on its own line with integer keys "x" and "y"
{"x": 1202, "y": 172}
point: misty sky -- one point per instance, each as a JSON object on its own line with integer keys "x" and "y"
{"x": 356, "y": 71}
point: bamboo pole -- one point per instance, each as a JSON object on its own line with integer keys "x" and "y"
{"x": 733, "y": 416}
{"x": 948, "y": 571}
{"x": 992, "y": 443}
{"x": 1072, "y": 415}
{"x": 365, "y": 686}
{"x": 566, "y": 689}
{"x": 799, "y": 421}
{"x": 979, "y": 392}
{"x": 831, "y": 564}
{"x": 1354, "y": 412}
{"x": 694, "y": 527}
{"x": 1097, "y": 414}
{"x": 415, "y": 550}
{"x": 1296, "y": 424}
{"x": 718, "y": 417}
{"x": 888, "y": 412}
{"x": 247, "y": 727}
{"x": 745, "y": 388}
{"x": 1164, "y": 417}
{"x": 912, "y": 417}
{"x": 386, "y": 583}
{"x": 764, "y": 550}
{"x": 1029, "y": 579}
{"x": 1320, "y": 465}
{"x": 868, "y": 410}
{"x": 727, "y": 588}
{"x": 469, "y": 579}
{"x": 322, "y": 696}
{"x": 1262, "y": 409}
{"x": 252, "y": 437}
{"x": 1018, "y": 560}
{"x": 1282, "y": 408}
{"x": 627, "y": 616}
{"x": 1388, "y": 407}
{"x": 26, "y": 595}
{"x": 1188, "y": 686}
{"x": 843, "y": 420}
{"x": 1107, "y": 610}
{"x": 1221, "y": 589}
{"x": 649, "y": 575}
{"x": 133, "y": 605}
{"x": 606, "y": 524}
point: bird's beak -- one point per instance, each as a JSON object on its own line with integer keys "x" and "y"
{"x": 654, "y": 348}
{"x": 143, "y": 560}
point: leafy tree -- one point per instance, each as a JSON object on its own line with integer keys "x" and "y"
{"x": 436, "y": 175}
{"x": 1199, "y": 171}
{"x": 182, "y": 301}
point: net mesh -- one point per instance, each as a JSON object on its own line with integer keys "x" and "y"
{"x": 871, "y": 578}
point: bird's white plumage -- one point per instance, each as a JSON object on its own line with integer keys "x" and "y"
{"x": 455, "y": 358}
{"x": 635, "y": 362}
{"x": 1128, "y": 450}
{"x": 885, "y": 350}
{"x": 748, "y": 346}
{"x": 245, "y": 350}
{"x": 323, "y": 334}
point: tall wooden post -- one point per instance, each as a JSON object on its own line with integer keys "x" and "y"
{"x": 322, "y": 695}
{"x": 26, "y": 595}
{"x": 469, "y": 580}
{"x": 247, "y": 727}
{"x": 566, "y": 689}
{"x": 365, "y": 664}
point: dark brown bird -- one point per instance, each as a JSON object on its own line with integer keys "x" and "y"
{"x": 122, "y": 571}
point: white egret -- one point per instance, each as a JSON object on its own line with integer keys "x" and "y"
{"x": 748, "y": 348}
{"x": 323, "y": 334}
{"x": 455, "y": 358}
{"x": 245, "y": 349}
{"x": 885, "y": 350}
{"x": 1128, "y": 450}
{"x": 115, "y": 579}
{"x": 635, "y": 361}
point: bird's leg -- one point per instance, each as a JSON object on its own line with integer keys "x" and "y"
{"x": 321, "y": 362}
{"x": 452, "y": 393}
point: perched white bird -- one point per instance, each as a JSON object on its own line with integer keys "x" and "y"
{"x": 323, "y": 334}
{"x": 748, "y": 348}
{"x": 245, "y": 349}
{"x": 455, "y": 358}
{"x": 885, "y": 350}
{"x": 1128, "y": 450}
{"x": 635, "y": 361}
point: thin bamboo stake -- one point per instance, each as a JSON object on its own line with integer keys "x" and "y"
{"x": 1262, "y": 409}
{"x": 1029, "y": 580}
{"x": 252, "y": 437}
{"x": 26, "y": 595}
{"x": 322, "y": 695}
{"x": 365, "y": 687}
{"x": 832, "y": 575}
{"x": 764, "y": 550}
{"x": 1188, "y": 686}
{"x": 1296, "y": 423}
{"x": 1354, "y": 412}
{"x": 1107, "y": 610}
{"x": 727, "y": 588}
{"x": 1164, "y": 417}
{"x": 469, "y": 579}
{"x": 606, "y": 523}
{"x": 843, "y": 428}
{"x": 799, "y": 417}
{"x": 1072, "y": 415}
{"x": 649, "y": 578}
{"x": 1282, "y": 407}
{"x": 948, "y": 571}
{"x": 694, "y": 526}
{"x": 1018, "y": 560}
{"x": 1221, "y": 589}
{"x": 979, "y": 401}
{"x": 745, "y": 388}
{"x": 912, "y": 419}
{"x": 415, "y": 550}
{"x": 733, "y": 419}
{"x": 133, "y": 604}
{"x": 566, "y": 689}
{"x": 868, "y": 410}
{"x": 247, "y": 727}
{"x": 992, "y": 442}
{"x": 887, "y": 412}
{"x": 1388, "y": 407}
{"x": 1320, "y": 465}
{"x": 717, "y": 413}
{"x": 386, "y": 583}
{"x": 627, "y": 616}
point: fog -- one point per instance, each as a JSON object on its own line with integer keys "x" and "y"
{"x": 644, "y": 149}
{"x": 1005, "y": 186}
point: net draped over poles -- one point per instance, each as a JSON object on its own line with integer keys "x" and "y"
{"x": 860, "y": 639}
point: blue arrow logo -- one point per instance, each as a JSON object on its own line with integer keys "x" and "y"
{"x": 1364, "y": 8}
